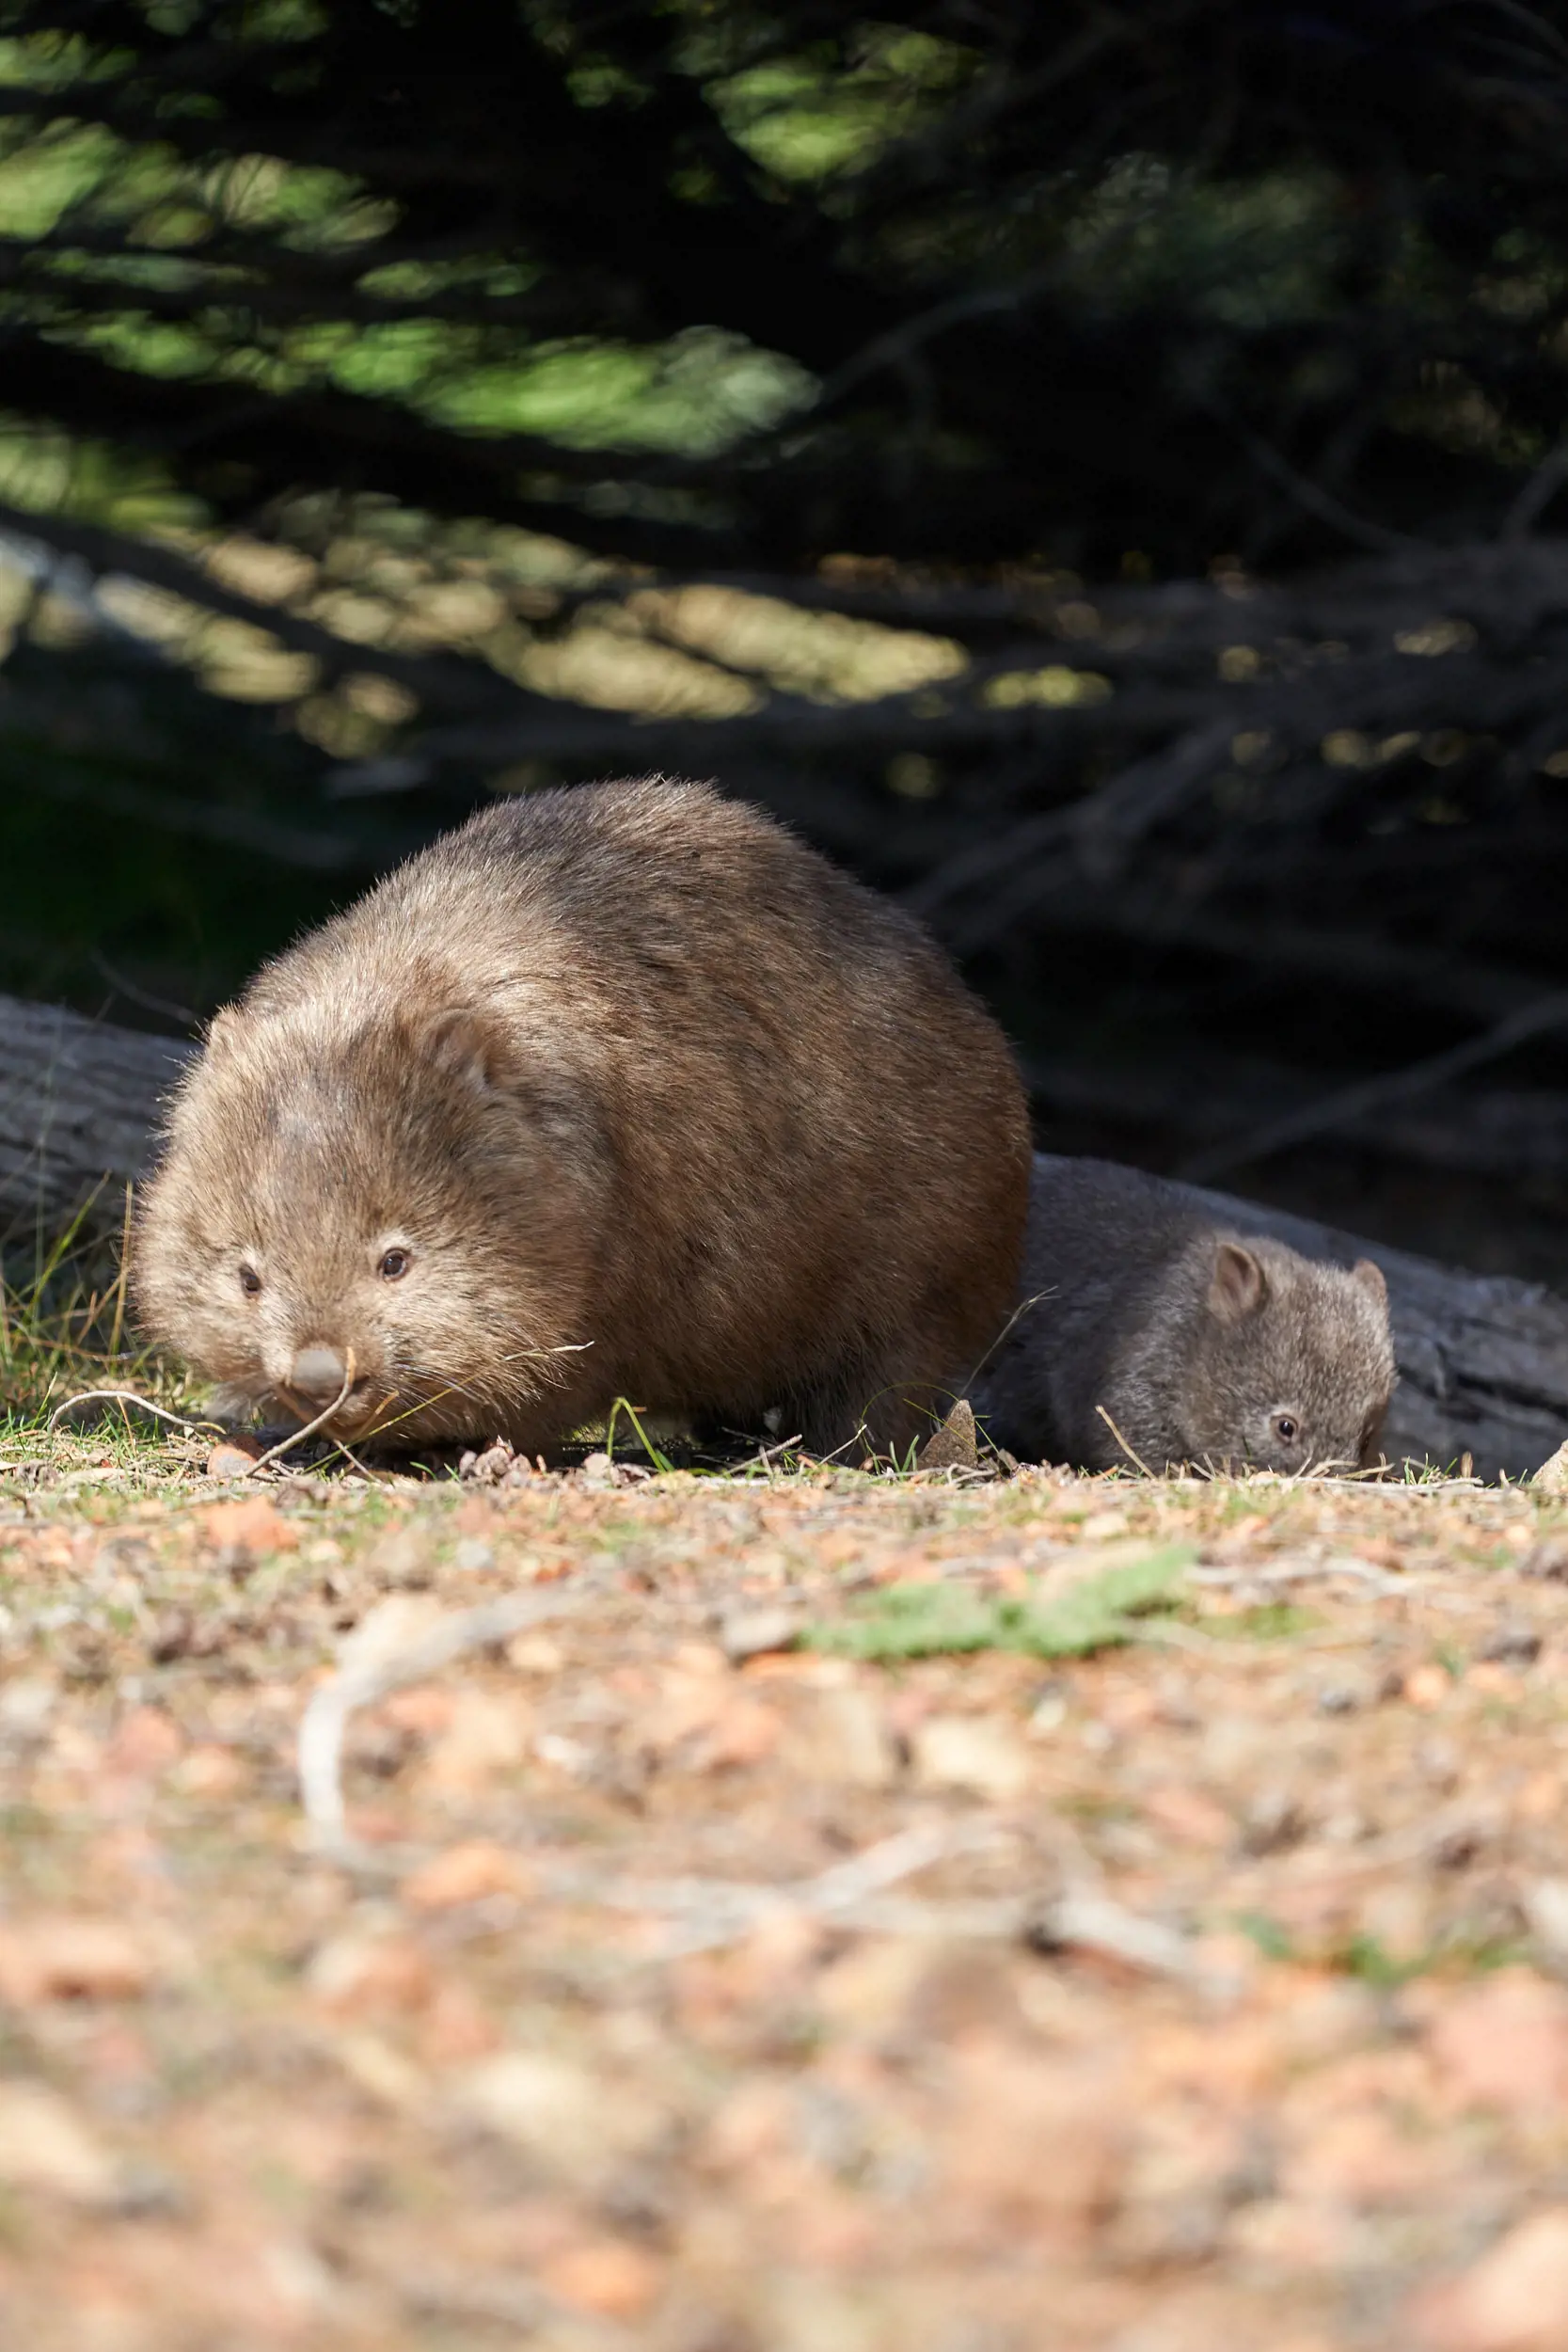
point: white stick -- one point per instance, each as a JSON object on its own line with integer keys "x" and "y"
{"x": 321, "y": 1731}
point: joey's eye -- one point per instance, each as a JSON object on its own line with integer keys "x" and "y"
{"x": 394, "y": 1265}
{"x": 1286, "y": 1427}
{"x": 251, "y": 1282}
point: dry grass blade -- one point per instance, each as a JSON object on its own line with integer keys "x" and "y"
{"x": 1091, "y": 1922}
{"x": 122, "y": 1277}
{"x": 127, "y": 1396}
{"x": 298, "y": 1436}
{"x": 1136, "y": 1460}
{"x": 723, "y": 1911}
{"x": 1294, "y": 1572}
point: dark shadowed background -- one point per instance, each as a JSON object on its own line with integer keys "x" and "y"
{"x": 1093, "y": 469}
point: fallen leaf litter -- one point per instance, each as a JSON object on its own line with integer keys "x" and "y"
{"x": 792, "y": 1913}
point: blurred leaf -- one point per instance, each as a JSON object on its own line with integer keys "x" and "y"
{"x": 939, "y": 1619}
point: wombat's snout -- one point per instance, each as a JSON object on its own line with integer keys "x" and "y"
{"x": 317, "y": 1374}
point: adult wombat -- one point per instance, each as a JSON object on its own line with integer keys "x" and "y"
{"x": 1202, "y": 1344}
{"x": 620, "y": 1091}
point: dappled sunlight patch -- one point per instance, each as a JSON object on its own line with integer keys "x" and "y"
{"x": 349, "y": 613}
{"x": 1054, "y": 688}
{"x": 611, "y": 670}
{"x": 705, "y": 650}
{"x": 261, "y": 568}
{"x": 825, "y": 656}
{"x": 448, "y": 612}
{"x": 154, "y": 613}
{"x": 247, "y": 666}
{"x": 232, "y": 657}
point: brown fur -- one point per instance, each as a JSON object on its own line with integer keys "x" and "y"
{"x": 1204, "y": 1346}
{"x": 626, "y": 1071}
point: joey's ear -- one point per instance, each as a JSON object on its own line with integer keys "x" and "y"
{"x": 458, "y": 1042}
{"x": 1371, "y": 1278}
{"x": 1237, "y": 1286}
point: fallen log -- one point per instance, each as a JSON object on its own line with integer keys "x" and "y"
{"x": 1483, "y": 1360}
{"x": 78, "y": 1101}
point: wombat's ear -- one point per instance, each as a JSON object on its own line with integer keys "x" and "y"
{"x": 1371, "y": 1278}
{"x": 460, "y": 1043}
{"x": 220, "y": 1031}
{"x": 1237, "y": 1286}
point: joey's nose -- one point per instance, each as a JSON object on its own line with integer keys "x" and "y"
{"x": 318, "y": 1373}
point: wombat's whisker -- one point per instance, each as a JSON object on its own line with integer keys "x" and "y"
{"x": 494, "y": 1389}
{"x": 487, "y": 1389}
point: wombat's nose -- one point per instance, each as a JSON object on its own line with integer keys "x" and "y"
{"x": 317, "y": 1372}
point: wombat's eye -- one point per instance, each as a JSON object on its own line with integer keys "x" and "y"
{"x": 251, "y": 1282}
{"x": 393, "y": 1265}
{"x": 1284, "y": 1427}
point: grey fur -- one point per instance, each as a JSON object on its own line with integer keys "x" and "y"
{"x": 1203, "y": 1346}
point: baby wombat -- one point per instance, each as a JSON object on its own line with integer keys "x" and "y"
{"x": 1202, "y": 1344}
{"x": 615, "y": 1091}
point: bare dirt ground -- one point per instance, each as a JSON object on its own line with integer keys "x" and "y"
{"x": 676, "y": 1981}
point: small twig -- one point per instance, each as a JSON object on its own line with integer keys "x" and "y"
{"x": 1122, "y": 1442}
{"x": 361, "y": 1683}
{"x": 1236, "y": 1580}
{"x": 999, "y": 1918}
{"x": 705, "y": 1913}
{"x": 286, "y": 1445}
{"x": 130, "y": 1396}
{"x": 1416, "y": 1841}
{"x": 340, "y": 1445}
{"x": 719, "y": 1912}
{"x": 1090, "y": 1922}
{"x": 762, "y": 1459}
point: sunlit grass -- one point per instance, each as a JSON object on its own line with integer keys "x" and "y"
{"x": 65, "y": 1328}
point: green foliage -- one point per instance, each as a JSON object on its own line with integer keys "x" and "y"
{"x": 674, "y": 227}
{"x": 814, "y": 117}
{"x": 934, "y": 1620}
